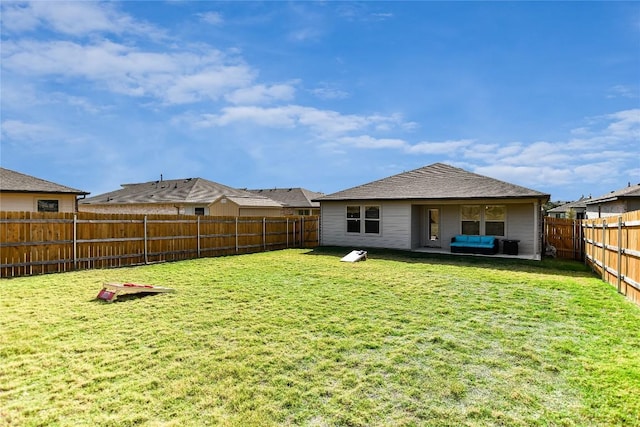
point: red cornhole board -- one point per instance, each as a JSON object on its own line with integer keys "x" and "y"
{"x": 111, "y": 291}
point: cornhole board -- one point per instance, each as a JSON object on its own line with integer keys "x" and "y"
{"x": 111, "y": 291}
{"x": 354, "y": 256}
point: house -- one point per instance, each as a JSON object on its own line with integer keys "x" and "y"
{"x": 574, "y": 210}
{"x": 190, "y": 196}
{"x": 26, "y": 193}
{"x": 424, "y": 208}
{"x": 295, "y": 201}
{"x": 615, "y": 203}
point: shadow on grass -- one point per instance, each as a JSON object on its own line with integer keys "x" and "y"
{"x": 124, "y": 298}
{"x": 557, "y": 266}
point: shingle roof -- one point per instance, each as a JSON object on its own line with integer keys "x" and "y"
{"x": 189, "y": 190}
{"x": 293, "y": 197}
{"x": 582, "y": 203}
{"x": 11, "y": 181}
{"x": 436, "y": 181}
{"x": 631, "y": 191}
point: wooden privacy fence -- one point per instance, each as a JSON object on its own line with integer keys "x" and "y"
{"x": 566, "y": 236}
{"x": 36, "y": 243}
{"x": 612, "y": 249}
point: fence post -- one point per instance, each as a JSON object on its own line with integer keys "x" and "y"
{"x": 198, "y": 234}
{"x": 75, "y": 241}
{"x": 619, "y": 254}
{"x": 604, "y": 250}
{"x": 304, "y": 230}
{"x": 236, "y": 234}
{"x": 287, "y": 232}
{"x": 146, "y": 253}
{"x": 264, "y": 233}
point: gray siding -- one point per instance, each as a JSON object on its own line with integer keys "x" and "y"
{"x": 395, "y": 226}
{"x": 521, "y": 226}
{"x": 403, "y": 225}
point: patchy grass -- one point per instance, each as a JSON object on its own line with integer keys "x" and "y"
{"x": 298, "y": 338}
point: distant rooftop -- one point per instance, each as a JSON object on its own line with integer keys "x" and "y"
{"x": 185, "y": 190}
{"x": 12, "y": 181}
{"x": 291, "y": 197}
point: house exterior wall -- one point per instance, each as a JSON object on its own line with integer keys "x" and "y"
{"x": 607, "y": 209}
{"x": 225, "y": 207}
{"x": 520, "y": 226}
{"x": 300, "y": 211}
{"x": 403, "y": 224}
{"x": 395, "y": 231}
{"x": 612, "y": 208}
{"x": 28, "y": 202}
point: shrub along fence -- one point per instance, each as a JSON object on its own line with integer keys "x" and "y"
{"x": 36, "y": 243}
{"x": 612, "y": 249}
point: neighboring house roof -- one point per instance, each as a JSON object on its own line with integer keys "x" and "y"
{"x": 188, "y": 190}
{"x": 436, "y": 181}
{"x": 291, "y": 197}
{"x": 629, "y": 192}
{"x": 578, "y": 204}
{"x": 16, "y": 182}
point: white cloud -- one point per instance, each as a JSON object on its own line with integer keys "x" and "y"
{"x": 369, "y": 142}
{"x": 18, "y": 130}
{"x": 75, "y": 18}
{"x": 451, "y": 147}
{"x": 173, "y": 77}
{"x": 324, "y": 123}
{"x": 625, "y": 124}
{"x": 213, "y": 18}
{"x": 325, "y": 91}
{"x": 621, "y": 91}
{"x": 262, "y": 94}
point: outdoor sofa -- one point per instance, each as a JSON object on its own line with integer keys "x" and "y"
{"x": 463, "y": 243}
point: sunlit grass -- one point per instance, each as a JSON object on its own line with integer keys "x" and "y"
{"x": 298, "y": 338}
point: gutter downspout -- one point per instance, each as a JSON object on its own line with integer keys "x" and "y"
{"x": 84, "y": 196}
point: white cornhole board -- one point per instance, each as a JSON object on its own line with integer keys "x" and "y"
{"x": 354, "y": 256}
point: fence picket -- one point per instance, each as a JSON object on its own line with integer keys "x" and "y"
{"x": 32, "y": 243}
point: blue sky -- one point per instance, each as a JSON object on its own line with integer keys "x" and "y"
{"x": 322, "y": 95}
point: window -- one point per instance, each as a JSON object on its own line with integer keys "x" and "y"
{"x": 471, "y": 219}
{"x": 372, "y": 219}
{"x": 494, "y": 220}
{"x": 48, "y": 206}
{"x": 353, "y": 219}
{"x": 304, "y": 212}
{"x": 489, "y": 220}
{"x": 199, "y": 211}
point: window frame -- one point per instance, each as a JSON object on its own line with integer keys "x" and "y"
{"x": 371, "y": 221}
{"x": 482, "y": 220}
{"x": 46, "y": 205}
{"x": 503, "y": 221}
{"x": 360, "y": 221}
{"x": 354, "y": 219}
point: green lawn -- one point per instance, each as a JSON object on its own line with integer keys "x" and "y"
{"x": 296, "y": 337}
